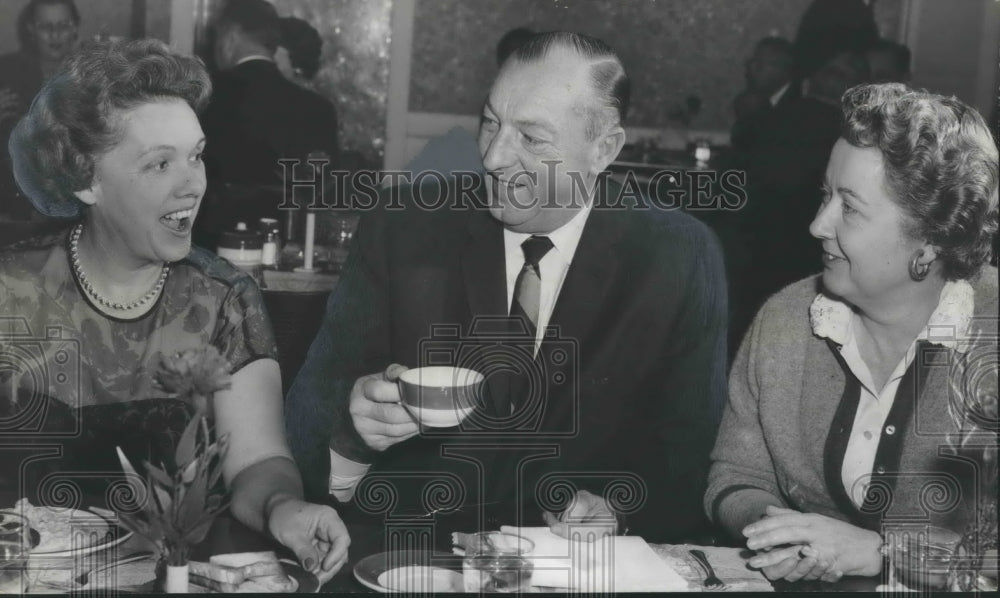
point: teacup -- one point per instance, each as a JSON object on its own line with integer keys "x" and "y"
{"x": 440, "y": 396}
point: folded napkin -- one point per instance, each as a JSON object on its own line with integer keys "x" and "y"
{"x": 612, "y": 564}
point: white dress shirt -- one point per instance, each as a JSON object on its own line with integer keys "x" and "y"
{"x": 345, "y": 473}
{"x": 776, "y": 96}
{"x": 836, "y": 321}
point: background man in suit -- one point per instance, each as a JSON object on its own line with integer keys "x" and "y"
{"x": 625, "y": 323}
{"x": 256, "y": 117}
{"x": 770, "y": 74}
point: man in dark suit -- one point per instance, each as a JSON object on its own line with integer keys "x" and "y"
{"x": 601, "y": 328}
{"x": 257, "y": 117}
{"x": 770, "y": 89}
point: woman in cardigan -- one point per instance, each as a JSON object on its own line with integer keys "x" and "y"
{"x": 840, "y": 394}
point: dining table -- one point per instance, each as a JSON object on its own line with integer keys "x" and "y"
{"x": 370, "y": 534}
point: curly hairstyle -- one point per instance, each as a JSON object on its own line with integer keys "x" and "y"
{"x": 940, "y": 166}
{"x": 304, "y": 45}
{"x": 75, "y": 116}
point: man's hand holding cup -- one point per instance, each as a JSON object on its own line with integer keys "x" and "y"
{"x": 378, "y": 416}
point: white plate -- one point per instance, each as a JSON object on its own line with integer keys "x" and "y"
{"x": 419, "y": 579}
{"x": 413, "y": 571}
{"x": 113, "y": 535}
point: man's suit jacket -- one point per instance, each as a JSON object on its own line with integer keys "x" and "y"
{"x": 632, "y": 384}
{"x": 255, "y": 118}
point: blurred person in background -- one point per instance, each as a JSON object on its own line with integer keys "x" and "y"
{"x": 255, "y": 118}
{"x": 829, "y": 27}
{"x": 769, "y": 74}
{"x": 299, "y": 50}
{"x": 784, "y": 167}
{"x": 842, "y": 72}
{"x": 889, "y": 62}
{"x": 47, "y": 32}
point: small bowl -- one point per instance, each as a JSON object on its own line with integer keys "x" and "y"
{"x": 440, "y": 396}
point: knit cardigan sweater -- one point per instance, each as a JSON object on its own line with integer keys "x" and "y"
{"x": 791, "y": 409}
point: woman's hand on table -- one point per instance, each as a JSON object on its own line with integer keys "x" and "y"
{"x": 793, "y": 563}
{"x": 834, "y": 547}
{"x": 314, "y": 533}
{"x": 586, "y": 510}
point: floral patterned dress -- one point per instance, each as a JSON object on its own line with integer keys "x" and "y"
{"x": 75, "y": 383}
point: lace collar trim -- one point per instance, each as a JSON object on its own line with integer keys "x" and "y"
{"x": 948, "y": 326}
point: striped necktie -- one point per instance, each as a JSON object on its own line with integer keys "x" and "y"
{"x": 527, "y": 289}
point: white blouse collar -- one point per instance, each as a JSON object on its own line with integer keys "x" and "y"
{"x": 948, "y": 326}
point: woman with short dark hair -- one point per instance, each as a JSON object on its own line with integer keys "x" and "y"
{"x": 842, "y": 397}
{"x": 113, "y": 144}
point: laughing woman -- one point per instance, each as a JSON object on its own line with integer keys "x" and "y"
{"x": 113, "y": 143}
{"x": 842, "y": 403}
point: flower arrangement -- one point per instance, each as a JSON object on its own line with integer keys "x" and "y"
{"x": 181, "y": 499}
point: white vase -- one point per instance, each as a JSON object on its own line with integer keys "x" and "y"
{"x": 177, "y": 579}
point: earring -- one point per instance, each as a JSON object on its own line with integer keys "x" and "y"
{"x": 918, "y": 271}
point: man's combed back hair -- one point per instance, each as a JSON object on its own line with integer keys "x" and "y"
{"x": 607, "y": 73}
{"x": 940, "y": 166}
{"x": 304, "y": 45}
{"x": 258, "y": 19}
{"x": 76, "y": 115}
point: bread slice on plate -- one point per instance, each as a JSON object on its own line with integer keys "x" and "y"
{"x": 251, "y": 564}
{"x": 269, "y": 584}
{"x": 242, "y": 572}
{"x": 217, "y": 577}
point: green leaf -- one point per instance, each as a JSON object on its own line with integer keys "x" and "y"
{"x": 135, "y": 524}
{"x": 192, "y": 508}
{"x": 159, "y": 475}
{"x": 200, "y": 530}
{"x": 134, "y": 479}
{"x": 158, "y": 503}
{"x": 188, "y": 443}
{"x": 188, "y": 475}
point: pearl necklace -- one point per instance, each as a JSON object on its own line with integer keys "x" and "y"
{"x": 74, "y": 254}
